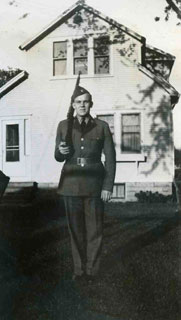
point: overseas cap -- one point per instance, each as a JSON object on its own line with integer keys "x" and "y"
{"x": 79, "y": 91}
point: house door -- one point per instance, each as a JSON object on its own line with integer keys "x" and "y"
{"x": 13, "y": 148}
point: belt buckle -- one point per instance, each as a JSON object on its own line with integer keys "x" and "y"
{"x": 81, "y": 162}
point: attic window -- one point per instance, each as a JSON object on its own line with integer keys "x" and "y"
{"x": 101, "y": 55}
{"x": 59, "y": 58}
{"x": 80, "y": 56}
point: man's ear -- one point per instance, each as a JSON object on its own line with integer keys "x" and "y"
{"x": 91, "y": 104}
{"x": 73, "y": 105}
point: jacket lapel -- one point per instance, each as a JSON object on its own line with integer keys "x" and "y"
{"x": 76, "y": 124}
{"x": 90, "y": 125}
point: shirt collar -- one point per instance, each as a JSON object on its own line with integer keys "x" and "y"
{"x": 81, "y": 119}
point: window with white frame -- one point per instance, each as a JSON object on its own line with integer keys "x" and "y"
{"x": 126, "y": 132}
{"x": 101, "y": 55}
{"x": 88, "y": 55}
{"x": 130, "y": 133}
{"x": 59, "y": 58}
{"x": 80, "y": 56}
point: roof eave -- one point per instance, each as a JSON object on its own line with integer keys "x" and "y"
{"x": 168, "y": 55}
{"x": 14, "y": 82}
{"x": 52, "y": 26}
{"x": 115, "y": 23}
{"x": 174, "y": 94}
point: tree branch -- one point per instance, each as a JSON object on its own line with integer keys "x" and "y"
{"x": 175, "y": 8}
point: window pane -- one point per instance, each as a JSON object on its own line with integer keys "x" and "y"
{"x": 119, "y": 191}
{"x": 101, "y": 46}
{"x": 80, "y": 48}
{"x": 12, "y": 142}
{"x": 131, "y": 142}
{"x": 60, "y": 50}
{"x": 131, "y": 129}
{"x": 12, "y": 155}
{"x": 130, "y": 119}
{"x": 80, "y": 65}
{"x": 131, "y": 133}
{"x": 101, "y": 65}
{"x": 59, "y": 67}
{"x": 12, "y": 135}
{"x": 109, "y": 118}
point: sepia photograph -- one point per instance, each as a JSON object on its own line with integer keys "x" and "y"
{"x": 90, "y": 160}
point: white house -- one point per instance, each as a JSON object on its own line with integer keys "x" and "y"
{"x": 129, "y": 82}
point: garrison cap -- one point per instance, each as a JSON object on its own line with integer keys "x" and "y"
{"x": 79, "y": 91}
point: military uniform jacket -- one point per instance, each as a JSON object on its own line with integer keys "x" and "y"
{"x": 91, "y": 179}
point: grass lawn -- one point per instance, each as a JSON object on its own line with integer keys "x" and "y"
{"x": 139, "y": 278}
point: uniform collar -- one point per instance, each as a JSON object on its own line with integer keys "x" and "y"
{"x": 90, "y": 124}
{"x": 86, "y": 119}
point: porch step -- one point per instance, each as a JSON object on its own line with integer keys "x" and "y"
{"x": 19, "y": 193}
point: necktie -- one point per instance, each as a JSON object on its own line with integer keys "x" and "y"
{"x": 83, "y": 125}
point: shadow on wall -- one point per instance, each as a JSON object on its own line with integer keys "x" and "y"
{"x": 161, "y": 130}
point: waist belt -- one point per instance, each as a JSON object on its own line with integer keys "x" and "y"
{"x": 83, "y": 161}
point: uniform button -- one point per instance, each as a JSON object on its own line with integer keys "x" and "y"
{"x": 82, "y": 139}
{"x": 82, "y": 165}
{"x": 82, "y": 147}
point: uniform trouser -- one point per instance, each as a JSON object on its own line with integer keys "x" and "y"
{"x": 85, "y": 222}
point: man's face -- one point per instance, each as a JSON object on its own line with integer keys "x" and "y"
{"x": 82, "y": 105}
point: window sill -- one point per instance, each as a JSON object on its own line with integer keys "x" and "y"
{"x": 83, "y": 76}
{"x": 128, "y": 158}
{"x": 131, "y": 157}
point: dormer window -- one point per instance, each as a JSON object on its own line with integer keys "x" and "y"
{"x": 59, "y": 58}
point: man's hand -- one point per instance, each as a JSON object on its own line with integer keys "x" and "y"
{"x": 106, "y": 195}
{"x": 65, "y": 150}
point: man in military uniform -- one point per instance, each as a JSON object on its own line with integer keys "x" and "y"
{"x": 85, "y": 182}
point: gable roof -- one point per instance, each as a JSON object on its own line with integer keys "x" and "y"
{"x": 146, "y": 49}
{"x": 79, "y": 5}
{"x": 67, "y": 14}
{"x": 14, "y": 82}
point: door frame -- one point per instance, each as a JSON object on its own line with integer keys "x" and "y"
{"x": 27, "y": 145}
